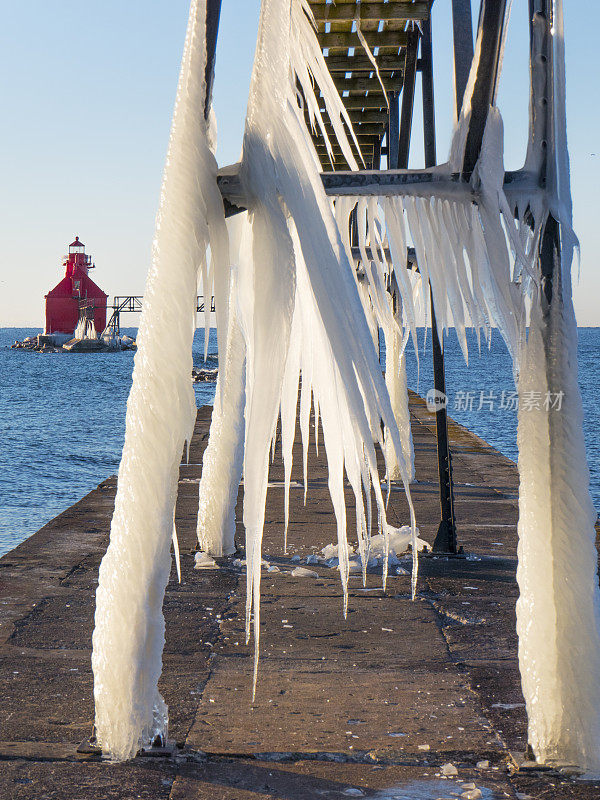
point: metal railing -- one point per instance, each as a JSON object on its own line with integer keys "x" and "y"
{"x": 129, "y": 304}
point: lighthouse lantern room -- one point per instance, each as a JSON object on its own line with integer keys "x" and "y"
{"x": 76, "y": 296}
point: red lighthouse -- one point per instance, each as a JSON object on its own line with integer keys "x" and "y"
{"x": 76, "y": 296}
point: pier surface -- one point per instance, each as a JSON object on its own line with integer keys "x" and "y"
{"x": 370, "y": 706}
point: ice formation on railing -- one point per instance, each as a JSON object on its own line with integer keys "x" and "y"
{"x": 385, "y": 308}
{"x": 129, "y": 634}
{"x": 302, "y": 277}
{"x": 479, "y": 250}
{"x": 85, "y": 329}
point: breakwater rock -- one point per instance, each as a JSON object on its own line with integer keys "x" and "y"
{"x": 55, "y": 343}
{"x": 204, "y": 375}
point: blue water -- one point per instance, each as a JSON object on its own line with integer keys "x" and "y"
{"x": 490, "y": 373}
{"x": 62, "y": 417}
{"x": 62, "y": 422}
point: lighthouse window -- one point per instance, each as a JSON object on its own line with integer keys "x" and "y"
{"x": 76, "y": 285}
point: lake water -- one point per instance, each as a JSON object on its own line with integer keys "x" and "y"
{"x": 62, "y": 417}
{"x": 62, "y": 422}
{"x": 475, "y": 392}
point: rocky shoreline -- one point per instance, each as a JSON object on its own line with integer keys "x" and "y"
{"x": 44, "y": 343}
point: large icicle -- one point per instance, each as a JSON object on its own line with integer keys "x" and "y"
{"x": 558, "y": 611}
{"x": 395, "y": 379}
{"x": 129, "y": 635}
{"x": 387, "y": 297}
{"x": 280, "y": 174}
{"x": 223, "y": 457}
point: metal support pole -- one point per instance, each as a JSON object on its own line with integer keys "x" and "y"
{"x": 377, "y": 153}
{"x": 408, "y": 98}
{"x": 550, "y": 240}
{"x": 550, "y": 260}
{"x": 393, "y": 131}
{"x": 445, "y": 540}
{"x": 491, "y": 24}
{"x": 462, "y": 26}
{"x": 428, "y": 98}
{"x": 213, "y": 15}
{"x": 354, "y": 227}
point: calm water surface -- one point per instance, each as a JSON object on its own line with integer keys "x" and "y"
{"x": 62, "y": 422}
{"x": 490, "y": 372}
{"x": 62, "y": 417}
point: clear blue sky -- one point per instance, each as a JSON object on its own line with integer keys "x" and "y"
{"x": 87, "y": 93}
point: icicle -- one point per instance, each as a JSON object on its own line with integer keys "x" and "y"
{"x": 395, "y": 378}
{"x": 222, "y": 460}
{"x": 289, "y": 404}
{"x": 206, "y": 290}
{"x": 271, "y": 313}
{"x": 176, "y": 553}
{"x": 273, "y": 443}
{"x": 370, "y": 56}
{"x": 394, "y": 220}
{"x": 305, "y": 406}
{"x": 306, "y": 60}
{"x": 279, "y": 162}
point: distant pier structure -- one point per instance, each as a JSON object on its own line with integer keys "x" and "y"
{"x": 132, "y": 304}
{"x": 76, "y": 296}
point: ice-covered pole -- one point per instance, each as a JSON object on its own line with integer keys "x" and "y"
{"x": 558, "y": 619}
{"x": 128, "y": 637}
{"x": 558, "y": 611}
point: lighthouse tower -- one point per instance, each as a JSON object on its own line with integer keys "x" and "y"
{"x": 76, "y": 296}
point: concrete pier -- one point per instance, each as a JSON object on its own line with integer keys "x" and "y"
{"x": 374, "y": 705}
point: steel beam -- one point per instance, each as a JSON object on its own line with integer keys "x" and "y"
{"x": 408, "y": 98}
{"x": 377, "y": 153}
{"x": 542, "y": 124}
{"x": 396, "y": 11}
{"x": 359, "y": 62}
{"x": 384, "y": 183}
{"x": 446, "y": 539}
{"x": 213, "y": 15}
{"x": 491, "y": 24}
{"x": 428, "y": 99}
{"x": 462, "y": 27}
{"x": 390, "y": 41}
{"x": 550, "y": 259}
{"x": 393, "y": 130}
